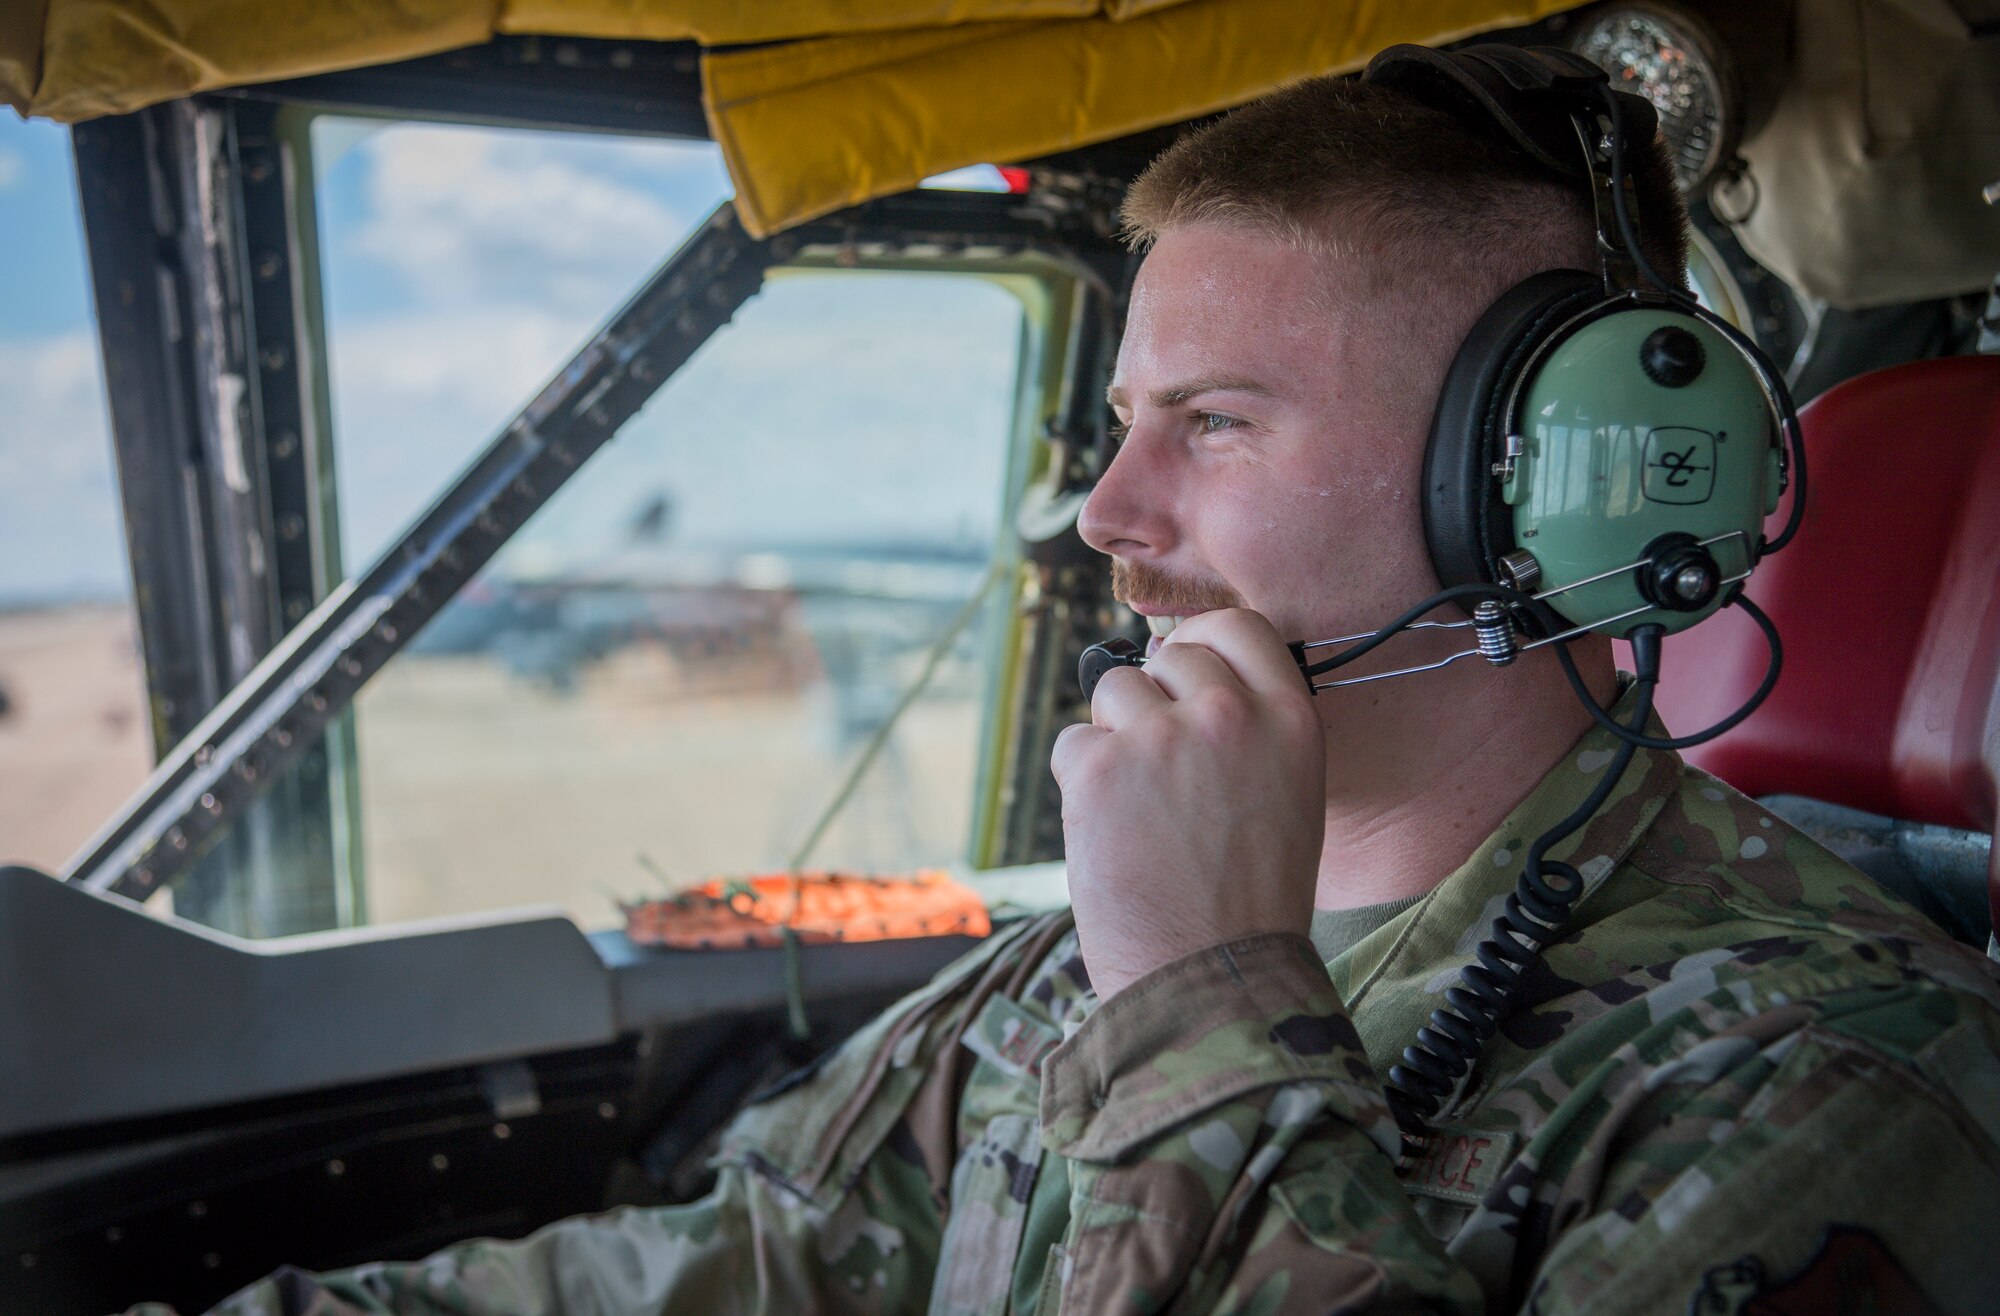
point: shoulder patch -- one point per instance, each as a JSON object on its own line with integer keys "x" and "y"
{"x": 1852, "y": 1271}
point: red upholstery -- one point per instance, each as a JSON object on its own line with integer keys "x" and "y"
{"x": 1889, "y": 605}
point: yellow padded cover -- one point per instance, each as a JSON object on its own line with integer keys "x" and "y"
{"x": 864, "y": 98}
{"x": 812, "y": 126}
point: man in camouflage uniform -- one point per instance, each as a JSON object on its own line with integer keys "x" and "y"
{"x": 1744, "y": 1079}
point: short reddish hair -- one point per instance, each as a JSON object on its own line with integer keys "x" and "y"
{"x": 1371, "y": 174}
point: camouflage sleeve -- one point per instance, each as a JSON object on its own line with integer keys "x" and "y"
{"x": 744, "y": 1248}
{"x": 1230, "y": 1143}
{"x": 752, "y": 1245}
{"x": 828, "y": 1198}
{"x": 1848, "y": 1162}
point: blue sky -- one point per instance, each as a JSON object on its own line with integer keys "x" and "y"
{"x": 59, "y": 523}
{"x": 461, "y": 267}
{"x": 43, "y": 284}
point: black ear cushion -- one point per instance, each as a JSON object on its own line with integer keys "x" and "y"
{"x": 1465, "y": 524}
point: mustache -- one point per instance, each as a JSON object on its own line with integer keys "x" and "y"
{"x": 1141, "y": 582}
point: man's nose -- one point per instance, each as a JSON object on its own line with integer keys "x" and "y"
{"x": 1126, "y": 513}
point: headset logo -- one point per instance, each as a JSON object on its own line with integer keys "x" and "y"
{"x": 1680, "y": 465}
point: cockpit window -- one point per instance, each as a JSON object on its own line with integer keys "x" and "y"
{"x": 461, "y": 266}
{"x": 74, "y": 732}
{"x": 667, "y": 673}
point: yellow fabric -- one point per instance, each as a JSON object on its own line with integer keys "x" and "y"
{"x": 20, "y": 48}
{"x": 721, "y": 22}
{"x": 111, "y": 56}
{"x": 78, "y": 59}
{"x": 816, "y": 125}
{"x": 866, "y": 98}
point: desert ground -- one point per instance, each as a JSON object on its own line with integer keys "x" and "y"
{"x": 479, "y": 792}
{"x": 482, "y": 789}
{"x": 73, "y": 739}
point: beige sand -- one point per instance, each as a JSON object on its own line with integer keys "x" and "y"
{"x": 482, "y": 790}
{"x": 75, "y": 744}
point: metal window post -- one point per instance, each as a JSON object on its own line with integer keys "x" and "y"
{"x": 192, "y": 213}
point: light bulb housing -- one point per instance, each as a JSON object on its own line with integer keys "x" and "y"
{"x": 1673, "y": 57}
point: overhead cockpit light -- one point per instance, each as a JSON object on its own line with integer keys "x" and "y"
{"x": 1673, "y": 58}
{"x": 980, "y": 178}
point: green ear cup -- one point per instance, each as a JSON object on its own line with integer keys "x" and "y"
{"x": 1646, "y": 432}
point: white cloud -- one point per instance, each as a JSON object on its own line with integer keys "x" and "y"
{"x": 13, "y": 168}
{"x": 59, "y": 510}
{"x": 417, "y": 394}
{"x": 467, "y": 215}
{"x": 838, "y": 407}
{"x": 510, "y": 248}
{"x": 53, "y": 406}
{"x": 842, "y": 409}
{"x": 480, "y": 362}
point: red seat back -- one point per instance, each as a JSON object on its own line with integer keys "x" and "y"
{"x": 1889, "y": 606}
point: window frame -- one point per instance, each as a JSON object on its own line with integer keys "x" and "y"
{"x": 221, "y": 642}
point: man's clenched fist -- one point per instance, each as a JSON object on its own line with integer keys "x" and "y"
{"x": 1194, "y": 805}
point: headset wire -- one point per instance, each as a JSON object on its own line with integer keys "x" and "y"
{"x": 1702, "y": 737}
{"x": 1490, "y": 990}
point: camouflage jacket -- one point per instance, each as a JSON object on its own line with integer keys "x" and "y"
{"x": 1747, "y": 1080}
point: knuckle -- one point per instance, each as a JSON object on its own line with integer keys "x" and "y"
{"x": 1221, "y": 708}
{"x": 1114, "y": 680}
{"x": 1297, "y": 707}
{"x": 1201, "y": 627}
{"x": 1176, "y": 664}
{"x": 1078, "y": 754}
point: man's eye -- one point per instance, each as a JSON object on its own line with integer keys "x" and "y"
{"x": 1214, "y": 422}
{"x": 1117, "y": 431}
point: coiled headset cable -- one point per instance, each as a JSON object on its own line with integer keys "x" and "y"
{"x": 1546, "y": 891}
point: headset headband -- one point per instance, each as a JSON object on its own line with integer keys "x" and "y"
{"x": 1532, "y": 94}
{"x": 1558, "y": 109}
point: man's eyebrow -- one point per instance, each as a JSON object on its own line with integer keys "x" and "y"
{"x": 1176, "y": 394}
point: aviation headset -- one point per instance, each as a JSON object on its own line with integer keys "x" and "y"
{"x": 1603, "y": 456}
{"x": 1592, "y": 420}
